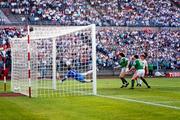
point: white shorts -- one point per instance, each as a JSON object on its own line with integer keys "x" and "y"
{"x": 140, "y": 73}
{"x": 123, "y": 70}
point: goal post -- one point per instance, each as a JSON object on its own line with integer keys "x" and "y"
{"x": 93, "y": 36}
{"x": 55, "y": 61}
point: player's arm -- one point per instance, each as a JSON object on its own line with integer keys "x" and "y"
{"x": 65, "y": 78}
{"x": 127, "y": 67}
{"x": 121, "y": 63}
{"x": 133, "y": 67}
{"x": 117, "y": 67}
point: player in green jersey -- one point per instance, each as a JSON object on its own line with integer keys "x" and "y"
{"x": 123, "y": 63}
{"x": 140, "y": 72}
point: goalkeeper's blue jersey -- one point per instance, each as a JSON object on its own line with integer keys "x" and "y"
{"x": 75, "y": 75}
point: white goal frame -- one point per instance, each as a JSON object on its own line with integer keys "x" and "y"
{"x": 60, "y": 31}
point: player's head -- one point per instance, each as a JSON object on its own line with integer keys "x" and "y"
{"x": 69, "y": 68}
{"x": 142, "y": 56}
{"x": 136, "y": 57}
{"x": 121, "y": 54}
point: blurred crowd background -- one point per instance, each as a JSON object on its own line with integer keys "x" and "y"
{"x": 130, "y": 26}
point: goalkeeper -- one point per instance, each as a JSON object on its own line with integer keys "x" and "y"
{"x": 81, "y": 77}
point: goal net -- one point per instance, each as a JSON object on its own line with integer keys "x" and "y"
{"x": 54, "y": 61}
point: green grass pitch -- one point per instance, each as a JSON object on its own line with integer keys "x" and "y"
{"x": 161, "y": 102}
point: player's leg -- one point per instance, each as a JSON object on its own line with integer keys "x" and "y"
{"x": 145, "y": 82}
{"x": 64, "y": 79}
{"x": 141, "y": 75}
{"x": 87, "y": 73}
{"x": 150, "y": 73}
{"x": 86, "y": 81}
{"x": 135, "y": 76}
{"x": 122, "y": 75}
{"x": 81, "y": 78}
{"x": 139, "y": 82}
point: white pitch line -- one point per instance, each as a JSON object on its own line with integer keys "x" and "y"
{"x": 168, "y": 101}
{"x": 139, "y": 101}
{"x": 165, "y": 86}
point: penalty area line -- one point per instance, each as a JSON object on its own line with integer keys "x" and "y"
{"x": 139, "y": 101}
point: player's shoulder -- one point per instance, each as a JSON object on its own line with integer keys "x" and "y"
{"x": 127, "y": 58}
{"x": 145, "y": 61}
{"x": 124, "y": 58}
{"x": 137, "y": 60}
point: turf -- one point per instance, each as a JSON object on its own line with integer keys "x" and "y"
{"x": 164, "y": 91}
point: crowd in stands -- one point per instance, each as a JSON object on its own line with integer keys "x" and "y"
{"x": 102, "y": 13}
{"x": 162, "y": 46}
{"x": 5, "y": 34}
{"x": 138, "y": 12}
{"x": 72, "y": 49}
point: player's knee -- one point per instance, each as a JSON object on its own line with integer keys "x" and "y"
{"x": 121, "y": 75}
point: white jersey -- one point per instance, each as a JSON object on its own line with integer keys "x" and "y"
{"x": 144, "y": 63}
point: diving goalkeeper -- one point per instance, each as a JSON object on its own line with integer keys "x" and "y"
{"x": 81, "y": 77}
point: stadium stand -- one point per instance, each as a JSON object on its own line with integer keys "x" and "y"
{"x": 80, "y": 12}
{"x": 5, "y": 34}
{"x": 162, "y": 44}
{"x": 138, "y": 12}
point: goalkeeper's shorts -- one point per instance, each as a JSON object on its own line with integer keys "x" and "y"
{"x": 80, "y": 78}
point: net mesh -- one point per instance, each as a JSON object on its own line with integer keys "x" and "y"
{"x": 61, "y": 62}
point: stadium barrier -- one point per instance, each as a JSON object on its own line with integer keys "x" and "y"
{"x": 173, "y": 74}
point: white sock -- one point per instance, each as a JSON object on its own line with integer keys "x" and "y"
{"x": 140, "y": 82}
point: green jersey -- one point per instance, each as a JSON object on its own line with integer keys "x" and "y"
{"x": 123, "y": 62}
{"x": 138, "y": 64}
{"x": 150, "y": 66}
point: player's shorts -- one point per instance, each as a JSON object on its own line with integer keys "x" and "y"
{"x": 140, "y": 73}
{"x": 123, "y": 70}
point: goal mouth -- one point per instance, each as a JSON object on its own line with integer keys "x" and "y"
{"x": 54, "y": 61}
{"x": 11, "y": 94}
